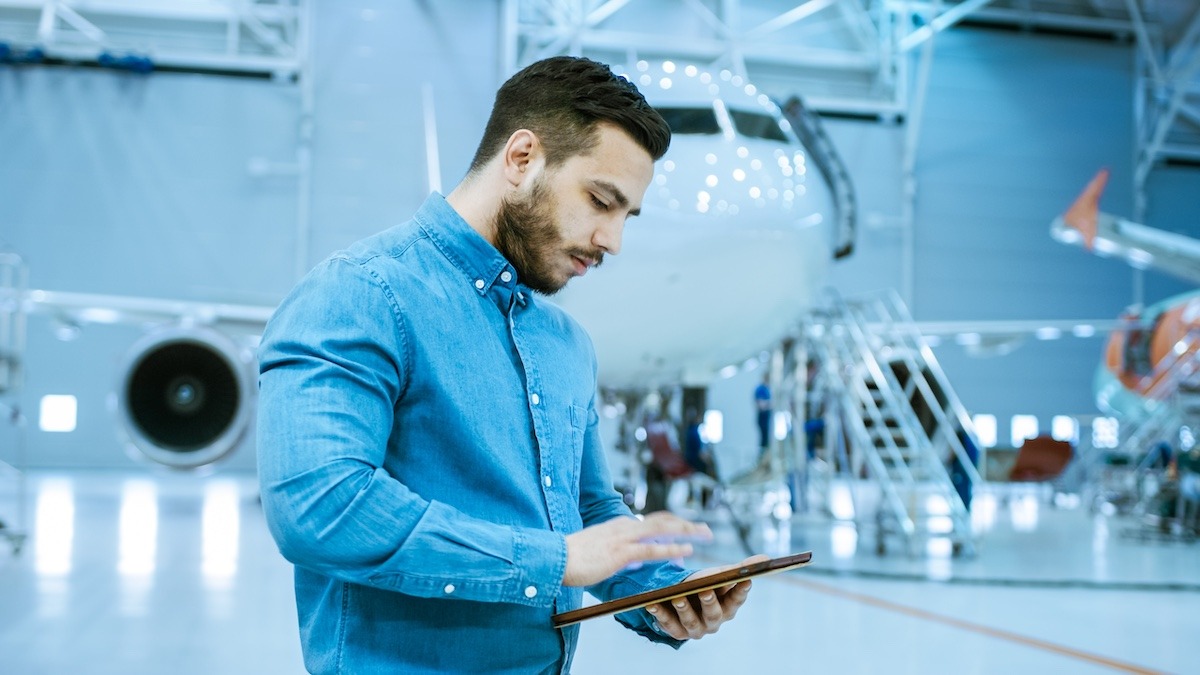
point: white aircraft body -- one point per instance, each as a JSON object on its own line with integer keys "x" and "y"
{"x": 736, "y": 236}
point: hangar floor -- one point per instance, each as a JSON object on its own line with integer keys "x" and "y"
{"x": 161, "y": 573}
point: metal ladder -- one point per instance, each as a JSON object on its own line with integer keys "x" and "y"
{"x": 888, "y": 399}
{"x": 1172, "y": 395}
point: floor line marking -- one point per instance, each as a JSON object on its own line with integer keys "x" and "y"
{"x": 970, "y": 626}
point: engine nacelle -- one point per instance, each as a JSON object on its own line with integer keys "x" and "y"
{"x": 186, "y": 397}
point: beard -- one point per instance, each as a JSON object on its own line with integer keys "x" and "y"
{"x": 528, "y": 238}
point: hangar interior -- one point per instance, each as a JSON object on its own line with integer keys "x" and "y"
{"x": 173, "y": 168}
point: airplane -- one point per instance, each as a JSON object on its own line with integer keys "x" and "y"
{"x": 1150, "y": 354}
{"x": 744, "y": 216}
{"x": 1108, "y": 235}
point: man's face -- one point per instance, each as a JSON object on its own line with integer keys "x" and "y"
{"x": 563, "y": 221}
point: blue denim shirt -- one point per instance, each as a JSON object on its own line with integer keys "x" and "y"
{"x": 427, "y": 436}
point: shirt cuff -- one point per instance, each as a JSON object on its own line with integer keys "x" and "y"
{"x": 643, "y": 623}
{"x": 646, "y": 578}
{"x": 540, "y": 557}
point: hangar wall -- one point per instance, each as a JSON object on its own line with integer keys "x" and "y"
{"x": 123, "y": 184}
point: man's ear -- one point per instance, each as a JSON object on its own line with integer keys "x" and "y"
{"x": 522, "y": 156}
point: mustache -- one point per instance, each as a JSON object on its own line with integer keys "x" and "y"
{"x": 594, "y": 256}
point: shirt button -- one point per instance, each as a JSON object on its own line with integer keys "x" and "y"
{"x": 449, "y": 589}
{"x": 546, "y": 481}
{"x": 506, "y": 276}
{"x": 530, "y": 592}
{"x": 535, "y": 398}
{"x": 479, "y": 284}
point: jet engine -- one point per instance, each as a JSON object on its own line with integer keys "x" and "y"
{"x": 186, "y": 397}
{"x": 1150, "y": 357}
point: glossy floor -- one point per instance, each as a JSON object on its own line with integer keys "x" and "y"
{"x": 161, "y": 573}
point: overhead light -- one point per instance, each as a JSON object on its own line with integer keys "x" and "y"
{"x": 993, "y": 345}
{"x": 1139, "y": 258}
{"x": 1047, "y": 333}
{"x": 99, "y": 315}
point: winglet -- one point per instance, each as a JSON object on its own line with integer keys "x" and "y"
{"x": 1084, "y": 212}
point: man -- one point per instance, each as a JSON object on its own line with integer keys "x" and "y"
{"x": 428, "y": 449}
{"x": 762, "y": 408}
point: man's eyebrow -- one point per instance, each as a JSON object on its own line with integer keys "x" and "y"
{"x": 616, "y": 195}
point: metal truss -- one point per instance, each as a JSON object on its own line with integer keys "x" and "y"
{"x": 253, "y": 37}
{"x": 871, "y": 57}
{"x": 840, "y": 55}
{"x": 1167, "y": 91}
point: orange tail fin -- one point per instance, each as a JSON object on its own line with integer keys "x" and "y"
{"x": 1084, "y": 212}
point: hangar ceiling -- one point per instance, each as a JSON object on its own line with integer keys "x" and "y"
{"x": 251, "y": 37}
{"x": 871, "y": 57}
{"x": 850, "y": 57}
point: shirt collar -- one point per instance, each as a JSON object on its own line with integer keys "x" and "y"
{"x": 479, "y": 261}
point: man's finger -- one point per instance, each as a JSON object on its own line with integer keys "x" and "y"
{"x": 687, "y": 617}
{"x": 732, "y": 601}
{"x": 663, "y": 523}
{"x": 711, "y": 608}
{"x": 667, "y": 621}
{"x": 661, "y": 551}
{"x": 738, "y": 593}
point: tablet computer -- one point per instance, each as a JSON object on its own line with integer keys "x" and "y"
{"x": 688, "y": 587}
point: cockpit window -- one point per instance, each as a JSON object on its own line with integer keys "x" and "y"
{"x": 757, "y": 125}
{"x": 691, "y": 120}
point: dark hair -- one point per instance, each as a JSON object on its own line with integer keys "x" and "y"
{"x": 562, "y": 99}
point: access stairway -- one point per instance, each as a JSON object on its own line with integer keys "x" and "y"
{"x": 892, "y": 418}
{"x": 1170, "y": 415}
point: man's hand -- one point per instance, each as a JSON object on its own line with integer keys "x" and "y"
{"x": 694, "y": 616}
{"x": 596, "y": 553}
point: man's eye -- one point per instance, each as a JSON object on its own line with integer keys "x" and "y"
{"x": 599, "y": 204}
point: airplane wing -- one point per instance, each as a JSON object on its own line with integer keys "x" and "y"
{"x": 1109, "y": 235}
{"x": 84, "y": 308}
{"x": 185, "y": 399}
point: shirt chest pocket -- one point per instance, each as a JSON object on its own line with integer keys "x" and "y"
{"x": 573, "y": 459}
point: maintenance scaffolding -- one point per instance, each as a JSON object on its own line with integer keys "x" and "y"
{"x": 13, "y": 280}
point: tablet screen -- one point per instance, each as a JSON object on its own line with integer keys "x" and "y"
{"x": 688, "y": 587}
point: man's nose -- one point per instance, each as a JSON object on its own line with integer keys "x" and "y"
{"x": 608, "y": 235}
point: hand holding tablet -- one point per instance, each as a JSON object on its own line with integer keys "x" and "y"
{"x": 688, "y": 587}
